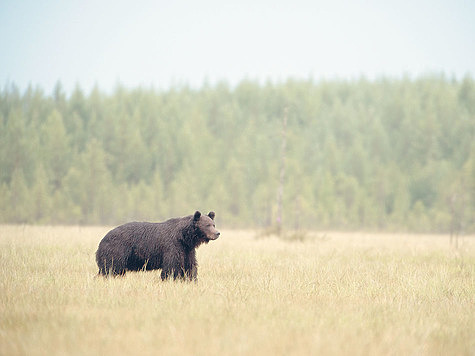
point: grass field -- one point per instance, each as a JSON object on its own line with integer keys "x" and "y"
{"x": 334, "y": 293}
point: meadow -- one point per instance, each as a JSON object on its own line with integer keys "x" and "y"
{"x": 332, "y": 293}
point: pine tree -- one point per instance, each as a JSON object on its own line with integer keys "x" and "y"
{"x": 89, "y": 184}
{"x": 55, "y": 148}
{"x": 40, "y": 198}
{"x": 19, "y": 205}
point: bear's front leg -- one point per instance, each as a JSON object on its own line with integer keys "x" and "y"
{"x": 191, "y": 266}
{"x": 173, "y": 266}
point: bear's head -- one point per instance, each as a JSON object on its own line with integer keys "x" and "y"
{"x": 205, "y": 224}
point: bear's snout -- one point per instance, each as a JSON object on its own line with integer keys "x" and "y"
{"x": 214, "y": 236}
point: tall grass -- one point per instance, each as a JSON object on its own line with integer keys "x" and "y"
{"x": 348, "y": 294}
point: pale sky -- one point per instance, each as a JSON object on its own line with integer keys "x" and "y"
{"x": 164, "y": 43}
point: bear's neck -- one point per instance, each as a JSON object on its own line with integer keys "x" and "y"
{"x": 192, "y": 237}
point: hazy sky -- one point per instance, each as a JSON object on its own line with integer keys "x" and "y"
{"x": 163, "y": 43}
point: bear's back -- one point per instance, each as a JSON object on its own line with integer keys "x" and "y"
{"x": 129, "y": 232}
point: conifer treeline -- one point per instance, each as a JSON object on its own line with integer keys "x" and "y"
{"x": 384, "y": 154}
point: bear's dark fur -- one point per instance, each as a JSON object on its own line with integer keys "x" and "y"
{"x": 168, "y": 245}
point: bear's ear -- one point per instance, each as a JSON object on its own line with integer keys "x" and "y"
{"x": 211, "y": 215}
{"x": 197, "y": 216}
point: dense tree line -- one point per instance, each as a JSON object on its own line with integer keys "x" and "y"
{"x": 382, "y": 154}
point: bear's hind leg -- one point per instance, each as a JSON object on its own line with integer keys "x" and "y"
{"x": 111, "y": 268}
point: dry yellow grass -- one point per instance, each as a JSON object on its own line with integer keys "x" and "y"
{"x": 339, "y": 294}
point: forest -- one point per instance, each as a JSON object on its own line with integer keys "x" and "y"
{"x": 384, "y": 154}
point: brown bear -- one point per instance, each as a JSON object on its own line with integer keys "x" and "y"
{"x": 169, "y": 246}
